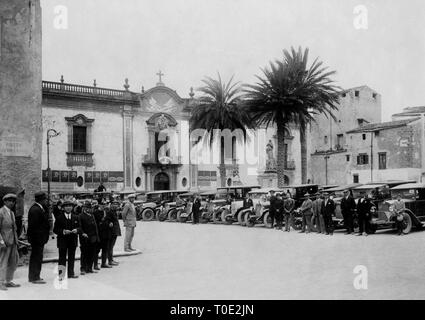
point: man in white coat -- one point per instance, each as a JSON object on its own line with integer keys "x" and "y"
{"x": 8, "y": 243}
{"x": 129, "y": 219}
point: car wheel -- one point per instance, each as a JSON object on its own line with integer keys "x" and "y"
{"x": 204, "y": 217}
{"x": 250, "y": 220}
{"x": 407, "y": 223}
{"x": 157, "y": 213}
{"x": 267, "y": 220}
{"x": 172, "y": 215}
{"x": 162, "y": 216}
{"x": 148, "y": 214}
{"x": 241, "y": 217}
{"x": 225, "y": 217}
{"x": 139, "y": 215}
{"x": 297, "y": 224}
{"x": 217, "y": 216}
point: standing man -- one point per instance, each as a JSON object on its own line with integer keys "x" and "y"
{"x": 348, "y": 205}
{"x": 307, "y": 213}
{"x": 288, "y": 209}
{"x": 8, "y": 243}
{"x": 247, "y": 202}
{"x": 279, "y": 211}
{"x": 99, "y": 215}
{"x": 89, "y": 239}
{"x": 116, "y": 231}
{"x": 363, "y": 212}
{"x": 314, "y": 219}
{"x": 399, "y": 207}
{"x": 272, "y": 208}
{"x": 320, "y": 222}
{"x": 130, "y": 221}
{"x": 38, "y": 235}
{"x": 196, "y": 209}
{"x": 105, "y": 231}
{"x": 328, "y": 210}
{"x": 67, "y": 228}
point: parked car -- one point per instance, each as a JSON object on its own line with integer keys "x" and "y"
{"x": 413, "y": 194}
{"x": 259, "y": 213}
{"x": 156, "y": 204}
{"x": 230, "y": 210}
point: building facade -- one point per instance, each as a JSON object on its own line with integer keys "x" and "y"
{"x": 331, "y": 158}
{"x": 141, "y": 141}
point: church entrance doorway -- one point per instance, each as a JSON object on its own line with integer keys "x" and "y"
{"x": 161, "y": 181}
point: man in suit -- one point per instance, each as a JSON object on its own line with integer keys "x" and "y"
{"x": 247, "y": 202}
{"x": 105, "y": 225}
{"x": 272, "y": 208}
{"x": 348, "y": 205}
{"x": 89, "y": 238}
{"x": 67, "y": 228}
{"x": 196, "y": 209}
{"x": 99, "y": 215}
{"x": 317, "y": 208}
{"x": 288, "y": 209}
{"x": 307, "y": 213}
{"x": 130, "y": 221}
{"x": 39, "y": 222}
{"x": 116, "y": 231}
{"x": 363, "y": 212}
{"x": 279, "y": 211}
{"x": 8, "y": 243}
{"x": 328, "y": 211}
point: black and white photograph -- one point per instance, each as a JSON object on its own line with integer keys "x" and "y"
{"x": 212, "y": 150}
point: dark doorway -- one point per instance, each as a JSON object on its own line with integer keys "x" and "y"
{"x": 161, "y": 182}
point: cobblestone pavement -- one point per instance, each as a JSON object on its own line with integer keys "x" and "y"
{"x": 183, "y": 261}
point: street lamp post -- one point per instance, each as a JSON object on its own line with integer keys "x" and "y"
{"x": 51, "y": 133}
{"x": 326, "y": 169}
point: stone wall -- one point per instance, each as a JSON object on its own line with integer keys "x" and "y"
{"x": 20, "y": 96}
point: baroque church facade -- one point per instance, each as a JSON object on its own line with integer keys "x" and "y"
{"x": 141, "y": 141}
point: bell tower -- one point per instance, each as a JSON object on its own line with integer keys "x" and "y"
{"x": 20, "y": 96}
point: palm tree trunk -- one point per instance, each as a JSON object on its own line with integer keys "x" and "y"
{"x": 280, "y": 166}
{"x": 303, "y": 143}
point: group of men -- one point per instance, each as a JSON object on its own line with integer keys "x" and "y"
{"x": 317, "y": 211}
{"x": 94, "y": 226}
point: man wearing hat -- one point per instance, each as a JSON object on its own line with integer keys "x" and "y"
{"x": 67, "y": 228}
{"x": 272, "y": 207}
{"x": 307, "y": 213}
{"x": 89, "y": 238}
{"x": 348, "y": 205}
{"x": 116, "y": 231}
{"x": 363, "y": 212}
{"x": 38, "y": 235}
{"x": 317, "y": 213}
{"x": 8, "y": 243}
{"x": 129, "y": 219}
{"x": 328, "y": 211}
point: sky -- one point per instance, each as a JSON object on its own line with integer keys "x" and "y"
{"x": 110, "y": 40}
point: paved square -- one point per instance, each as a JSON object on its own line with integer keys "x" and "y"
{"x": 184, "y": 261}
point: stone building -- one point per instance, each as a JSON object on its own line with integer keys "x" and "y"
{"x": 20, "y": 96}
{"x": 330, "y": 156}
{"x": 141, "y": 141}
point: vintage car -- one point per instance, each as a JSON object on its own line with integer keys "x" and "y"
{"x": 413, "y": 195}
{"x": 156, "y": 204}
{"x": 174, "y": 212}
{"x": 229, "y": 212}
{"x": 259, "y": 213}
{"x": 210, "y": 202}
{"x": 377, "y": 191}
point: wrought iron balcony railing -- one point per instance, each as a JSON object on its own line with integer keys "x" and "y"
{"x": 79, "y": 159}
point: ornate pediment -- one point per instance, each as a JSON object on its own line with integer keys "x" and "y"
{"x": 161, "y": 99}
{"x": 162, "y": 121}
{"x": 79, "y": 120}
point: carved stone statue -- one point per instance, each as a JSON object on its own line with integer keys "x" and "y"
{"x": 162, "y": 122}
{"x": 270, "y": 161}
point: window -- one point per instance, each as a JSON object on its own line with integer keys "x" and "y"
{"x": 363, "y": 159}
{"x": 347, "y": 157}
{"x": 355, "y": 178}
{"x": 339, "y": 141}
{"x": 364, "y": 136}
{"x": 376, "y": 133}
{"x": 357, "y": 93}
{"x": 138, "y": 182}
{"x": 374, "y": 95}
{"x": 326, "y": 139}
{"x": 79, "y": 139}
{"x": 382, "y": 160}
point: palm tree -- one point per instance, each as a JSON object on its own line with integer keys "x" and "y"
{"x": 290, "y": 92}
{"x": 220, "y": 108}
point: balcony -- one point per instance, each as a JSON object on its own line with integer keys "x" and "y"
{"x": 74, "y": 159}
{"x": 164, "y": 161}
